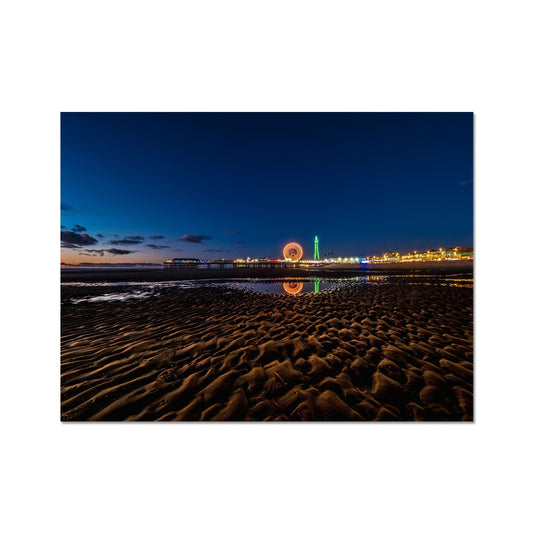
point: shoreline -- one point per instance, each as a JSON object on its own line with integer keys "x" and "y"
{"x": 333, "y": 271}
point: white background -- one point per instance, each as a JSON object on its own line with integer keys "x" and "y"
{"x": 265, "y": 56}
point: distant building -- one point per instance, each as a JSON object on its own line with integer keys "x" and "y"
{"x": 465, "y": 251}
{"x": 180, "y": 262}
{"x": 184, "y": 260}
{"x": 450, "y": 254}
{"x": 391, "y": 256}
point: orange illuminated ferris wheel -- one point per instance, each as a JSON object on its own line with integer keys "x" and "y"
{"x": 293, "y": 251}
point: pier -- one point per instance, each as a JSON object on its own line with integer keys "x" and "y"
{"x": 229, "y": 264}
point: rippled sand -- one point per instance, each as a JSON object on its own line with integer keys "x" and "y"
{"x": 369, "y": 352}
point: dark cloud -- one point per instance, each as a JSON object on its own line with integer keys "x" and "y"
{"x": 157, "y": 237}
{"x": 127, "y": 241}
{"x": 111, "y": 265}
{"x": 63, "y": 227}
{"x": 240, "y": 241}
{"x": 103, "y": 251}
{"x": 94, "y": 253}
{"x": 178, "y": 250}
{"x": 116, "y": 251}
{"x": 215, "y": 251}
{"x": 79, "y": 209}
{"x": 81, "y": 239}
{"x": 77, "y": 228}
{"x": 156, "y": 247}
{"x": 196, "y": 239}
{"x": 233, "y": 233}
{"x": 69, "y": 245}
{"x": 100, "y": 236}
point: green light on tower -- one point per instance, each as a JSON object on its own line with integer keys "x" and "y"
{"x": 316, "y": 255}
{"x": 317, "y": 284}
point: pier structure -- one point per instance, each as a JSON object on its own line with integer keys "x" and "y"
{"x": 292, "y": 258}
{"x": 221, "y": 264}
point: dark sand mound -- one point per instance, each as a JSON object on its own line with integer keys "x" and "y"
{"x": 371, "y": 352}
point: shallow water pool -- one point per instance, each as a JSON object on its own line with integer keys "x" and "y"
{"x": 123, "y": 291}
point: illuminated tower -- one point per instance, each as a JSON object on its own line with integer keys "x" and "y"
{"x": 316, "y": 255}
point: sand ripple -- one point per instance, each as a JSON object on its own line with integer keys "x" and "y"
{"x": 372, "y": 352}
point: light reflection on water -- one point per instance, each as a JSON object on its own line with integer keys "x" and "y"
{"x": 288, "y": 286}
{"x": 295, "y": 286}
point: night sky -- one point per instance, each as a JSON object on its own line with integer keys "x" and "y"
{"x": 144, "y": 187}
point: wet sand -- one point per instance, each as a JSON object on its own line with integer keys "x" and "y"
{"x": 386, "y": 352}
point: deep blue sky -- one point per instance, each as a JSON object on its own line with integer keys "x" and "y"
{"x": 244, "y": 184}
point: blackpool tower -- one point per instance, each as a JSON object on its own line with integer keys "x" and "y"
{"x": 316, "y": 255}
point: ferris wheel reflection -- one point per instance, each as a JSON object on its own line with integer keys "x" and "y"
{"x": 293, "y": 287}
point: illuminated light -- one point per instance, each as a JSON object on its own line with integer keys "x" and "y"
{"x": 293, "y": 251}
{"x": 317, "y": 285}
{"x": 293, "y": 287}
{"x": 316, "y": 254}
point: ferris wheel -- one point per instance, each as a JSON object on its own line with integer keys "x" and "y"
{"x": 293, "y": 251}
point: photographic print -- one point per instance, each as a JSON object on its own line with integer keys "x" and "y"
{"x": 267, "y": 267}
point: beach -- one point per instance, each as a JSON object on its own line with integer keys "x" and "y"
{"x": 370, "y": 351}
